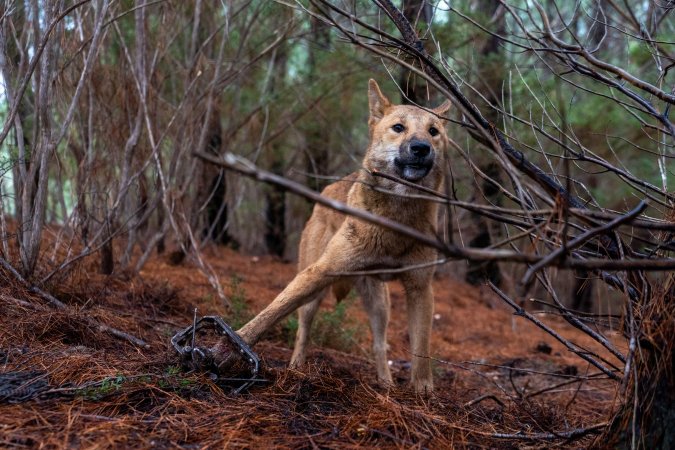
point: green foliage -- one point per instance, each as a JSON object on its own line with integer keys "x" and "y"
{"x": 290, "y": 328}
{"x": 172, "y": 371}
{"x": 334, "y": 329}
{"x": 173, "y": 378}
{"x": 331, "y": 328}
{"x": 639, "y": 53}
{"x": 239, "y": 312}
{"x": 107, "y": 386}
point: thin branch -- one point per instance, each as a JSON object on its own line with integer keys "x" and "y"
{"x": 580, "y": 240}
{"x": 245, "y": 167}
{"x": 576, "y": 433}
{"x": 54, "y": 302}
{"x": 583, "y": 354}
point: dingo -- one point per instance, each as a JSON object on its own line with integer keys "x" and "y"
{"x": 407, "y": 142}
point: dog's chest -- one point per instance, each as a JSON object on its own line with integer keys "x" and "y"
{"x": 378, "y": 243}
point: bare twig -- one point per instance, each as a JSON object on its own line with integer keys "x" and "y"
{"x": 576, "y": 433}
{"x": 584, "y": 354}
{"x": 55, "y": 303}
{"x": 245, "y": 167}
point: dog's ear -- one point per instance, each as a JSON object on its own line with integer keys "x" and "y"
{"x": 442, "y": 110}
{"x": 377, "y": 102}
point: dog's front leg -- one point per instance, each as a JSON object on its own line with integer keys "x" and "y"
{"x": 338, "y": 257}
{"x": 420, "y": 304}
{"x": 301, "y": 290}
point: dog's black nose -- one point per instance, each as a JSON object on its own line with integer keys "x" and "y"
{"x": 419, "y": 149}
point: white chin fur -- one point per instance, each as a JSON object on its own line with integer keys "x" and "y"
{"x": 414, "y": 173}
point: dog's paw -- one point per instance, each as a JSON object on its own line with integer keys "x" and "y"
{"x": 296, "y": 365}
{"x": 385, "y": 382}
{"x": 226, "y": 360}
{"x": 423, "y": 387}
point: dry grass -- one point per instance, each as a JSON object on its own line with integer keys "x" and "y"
{"x": 106, "y": 393}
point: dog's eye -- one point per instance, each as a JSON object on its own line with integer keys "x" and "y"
{"x": 398, "y": 128}
{"x": 433, "y": 131}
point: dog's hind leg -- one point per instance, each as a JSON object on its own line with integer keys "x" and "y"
{"x": 420, "y": 305}
{"x": 375, "y": 296}
{"x": 339, "y": 290}
{"x": 306, "y": 315}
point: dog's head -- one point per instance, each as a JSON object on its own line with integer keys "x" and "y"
{"x": 406, "y": 141}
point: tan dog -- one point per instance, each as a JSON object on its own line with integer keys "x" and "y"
{"x": 407, "y": 142}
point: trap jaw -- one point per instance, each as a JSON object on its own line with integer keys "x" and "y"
{"x": 194, "y": 357}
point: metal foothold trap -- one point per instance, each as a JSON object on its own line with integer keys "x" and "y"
{"x": 194, "y": 357}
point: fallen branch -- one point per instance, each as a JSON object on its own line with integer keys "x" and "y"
{"x": 571, "y": 434}
{"x": 583, "y": 354}
{"x": 477, "y": 400}
{"x": 55, "y": 303}
{"x": 247, "y": 168}
{"x": 34, "y": 289}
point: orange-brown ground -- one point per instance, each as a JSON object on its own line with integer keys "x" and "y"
{"x": 108, "y": 393}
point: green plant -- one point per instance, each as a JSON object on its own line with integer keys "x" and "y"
{"x": 172, "y": 371}
{"x": 331, "y": 328}
{"x": 290, "y": 329}
{"x": 105, "y": 387}
{"x": 334, "y": 329}
{"x": 239, "y": 313}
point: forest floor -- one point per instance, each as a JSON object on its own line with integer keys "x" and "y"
{"x": 500, "y": 381}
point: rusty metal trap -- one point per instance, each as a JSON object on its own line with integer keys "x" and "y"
{"x": 241, "y": 363}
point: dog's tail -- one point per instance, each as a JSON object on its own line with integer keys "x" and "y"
{"x": 341, "y": 289}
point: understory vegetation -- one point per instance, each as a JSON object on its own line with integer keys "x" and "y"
{"x": 158, "y": 157}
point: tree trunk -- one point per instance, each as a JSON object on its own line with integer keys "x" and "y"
{"x": 107, "y": 255}
{"x": 216, "y": 220}
{"x": 275, "y": 198}
{"x": 275, "y": 234}
{"x": 34, "y": 185}
{"x": 490, "y": 71}
{"x": 318, "y": 158}
{"x": 646, "y": 419}
{"x": 12, "y": 70}
{"x": 414, "y": 89}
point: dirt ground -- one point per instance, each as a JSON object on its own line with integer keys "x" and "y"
{"x": 501, "y": 382}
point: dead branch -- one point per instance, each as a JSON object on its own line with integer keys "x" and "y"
{"x": 580, "y": 240}
{"x": 245, "y": 167}
{"x": 584, "y": 354}
{"x": 55, "y": 303}
{"x": 568, "y": 435}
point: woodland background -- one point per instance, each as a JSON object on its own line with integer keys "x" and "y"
{"x": 104, "y": 103}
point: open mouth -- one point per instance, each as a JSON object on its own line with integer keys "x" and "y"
{"x": 413, "y": 171}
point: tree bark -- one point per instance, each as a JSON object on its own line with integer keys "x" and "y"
{"x": 275, "y": 198}
{"x": 646, "y": 419}
{"x": 490, "y": 71}
{"x": 318, "y": 159}
{"x": 216, "y": 211}
{"x": 107, "y": 254}
{"x": 419, "y": 13}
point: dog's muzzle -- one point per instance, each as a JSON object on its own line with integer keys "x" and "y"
{"x": 415, "y": 160}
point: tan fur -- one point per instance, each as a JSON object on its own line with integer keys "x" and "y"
{"x": 333, "y": 243}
